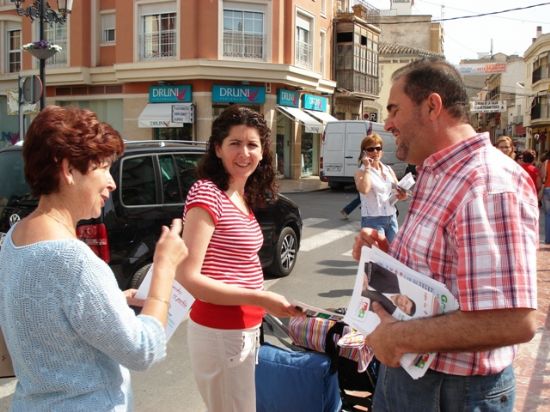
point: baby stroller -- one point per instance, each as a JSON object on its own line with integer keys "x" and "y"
{"x": 355, "y": 389}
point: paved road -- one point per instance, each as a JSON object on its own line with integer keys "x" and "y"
{"x": 323, "y": 277}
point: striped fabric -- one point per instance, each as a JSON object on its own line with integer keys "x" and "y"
{"x": 231, "y": 257}
{"x": 310, "y": 332}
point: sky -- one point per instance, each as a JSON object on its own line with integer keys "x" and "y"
{"x": 511, "y": 32}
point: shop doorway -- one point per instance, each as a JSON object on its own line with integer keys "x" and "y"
{"x": 282, "y": 146}
{"x": 310, "y": 154}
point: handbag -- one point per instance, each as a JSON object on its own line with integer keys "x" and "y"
{"x": 327, "y": 336}
{"x": 6, "y": 367}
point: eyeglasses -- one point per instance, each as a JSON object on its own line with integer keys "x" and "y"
{"x": 504, "y": 147}
{"x": 372, "y": 149}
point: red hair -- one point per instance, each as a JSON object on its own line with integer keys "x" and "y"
{"x": 70, "y": 133}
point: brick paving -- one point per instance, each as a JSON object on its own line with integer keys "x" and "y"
{"x": 532, "y": 365}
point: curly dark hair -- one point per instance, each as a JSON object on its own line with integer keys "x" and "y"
{"x": 435, "y": 75}
{"x": 70, "y": 133}
{"x": 260, "y": 186}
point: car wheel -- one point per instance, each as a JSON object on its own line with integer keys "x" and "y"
{"x": 285, "y": 253}
{"x": 139, "y": 276}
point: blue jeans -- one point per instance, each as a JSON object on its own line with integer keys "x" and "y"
{"x": 546, "y": 206}
{"x": 384, "y": 224}
{"x": 350, "y": 207}
{"x": 435, "y": 391}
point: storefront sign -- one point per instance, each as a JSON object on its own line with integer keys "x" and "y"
{"x": 314, "y": 102}
{"x": 488, "y": 106}
{"x": 238, "y": 94}
{"x": 183, "y": 113}
{"x": 481, "y": 69}
{"x": 170, "y": 94}
{"x": 287, "y": 98}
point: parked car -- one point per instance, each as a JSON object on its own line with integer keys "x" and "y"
{"x": 152, "y": 178}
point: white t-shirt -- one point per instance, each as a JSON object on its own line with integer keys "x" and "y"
{"x": 376, "y": 201}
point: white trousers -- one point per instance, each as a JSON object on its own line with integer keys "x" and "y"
{"x": 224, "y": 362}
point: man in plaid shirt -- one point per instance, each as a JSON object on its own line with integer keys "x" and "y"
{"x": 473, "y": 225}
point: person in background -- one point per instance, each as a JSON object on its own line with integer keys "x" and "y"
{"x": 67, "y": 325}
{"x": 546, "y": 196}
{"x": 375, "y": 181}
{"x": 223, "y": 271}
{"x": 350, "y": 207}
{"x": 473, "y": 225}
{"x": 506, "y": 146}
{"x": 528, "y": 164}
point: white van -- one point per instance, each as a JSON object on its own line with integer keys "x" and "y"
{"x": 340, "y": 149}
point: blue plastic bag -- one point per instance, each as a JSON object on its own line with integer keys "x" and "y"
{"x": 293, "y": 381}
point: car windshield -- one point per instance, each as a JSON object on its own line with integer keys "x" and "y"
{"x": 14, "y": 189}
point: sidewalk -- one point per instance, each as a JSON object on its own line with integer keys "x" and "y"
{"x": 532, "y": 365}
{"x": 304, "y": 184}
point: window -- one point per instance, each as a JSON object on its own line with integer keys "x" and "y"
{"x": 57, "y": 34}
{"x": 178, "y": 173}
{"x": 108, "y": 24}
{"x": 158, "y": 31}
{"x": 137, "y": 186}
{"x": 304, "y": 42}
{"x": 14, "y": 51}
{"x": 243, "y": 33}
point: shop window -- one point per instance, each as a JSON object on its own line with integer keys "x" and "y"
{"x": 174, "y": 133}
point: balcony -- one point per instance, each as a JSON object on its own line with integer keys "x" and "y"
{"x": 539, "y": 74}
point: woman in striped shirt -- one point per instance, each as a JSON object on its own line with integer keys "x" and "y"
{"x": 223, "y": 270}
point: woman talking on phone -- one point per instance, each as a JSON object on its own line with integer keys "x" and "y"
{"x": 374, "y": 181}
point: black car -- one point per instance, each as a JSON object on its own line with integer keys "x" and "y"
{"x": 152, "y": 178}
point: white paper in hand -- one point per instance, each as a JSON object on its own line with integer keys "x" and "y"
{"x": 180, "y": 302}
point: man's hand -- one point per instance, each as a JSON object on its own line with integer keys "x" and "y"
{"x": 369, "y": 237}
{"x": 383, "y": 340}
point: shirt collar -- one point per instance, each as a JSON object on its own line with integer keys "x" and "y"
{"x": 455, "y": 153}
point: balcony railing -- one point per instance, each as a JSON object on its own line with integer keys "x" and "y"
{"x": 304, "y": 55}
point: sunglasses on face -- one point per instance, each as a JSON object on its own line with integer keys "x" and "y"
{"x": 372, "y": 149}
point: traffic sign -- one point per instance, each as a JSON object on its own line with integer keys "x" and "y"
{"x": 32, "y": 89}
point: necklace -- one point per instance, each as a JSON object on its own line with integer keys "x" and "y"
{"x": 70, "y": 229}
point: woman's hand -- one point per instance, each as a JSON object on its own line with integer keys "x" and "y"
{"x": 170, "y": 249}
{"x": 367, "y": 162}
{"x": 401, "y": 194}
{"x": 369, "y": 237}
{"x": 130, "y": 295}
{"x": 278, "y": 305}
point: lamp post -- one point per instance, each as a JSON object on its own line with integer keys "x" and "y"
{"x": 41, "y": 10}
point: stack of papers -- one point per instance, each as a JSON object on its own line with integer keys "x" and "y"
{"x": 403, "y": 292}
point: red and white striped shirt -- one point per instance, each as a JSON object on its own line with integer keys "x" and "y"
{"x": 231, "y": 256}
{"x": 473, "y": 225}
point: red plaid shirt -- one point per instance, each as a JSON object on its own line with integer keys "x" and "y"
{"x": 473, "y": 225}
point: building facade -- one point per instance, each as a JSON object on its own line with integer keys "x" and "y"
{"x": 164, "y": 69}
{"x": 537, "y": 81}
{"x": 356, "y": 64}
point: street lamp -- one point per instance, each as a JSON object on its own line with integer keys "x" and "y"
{"x": 41, "y": 10}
